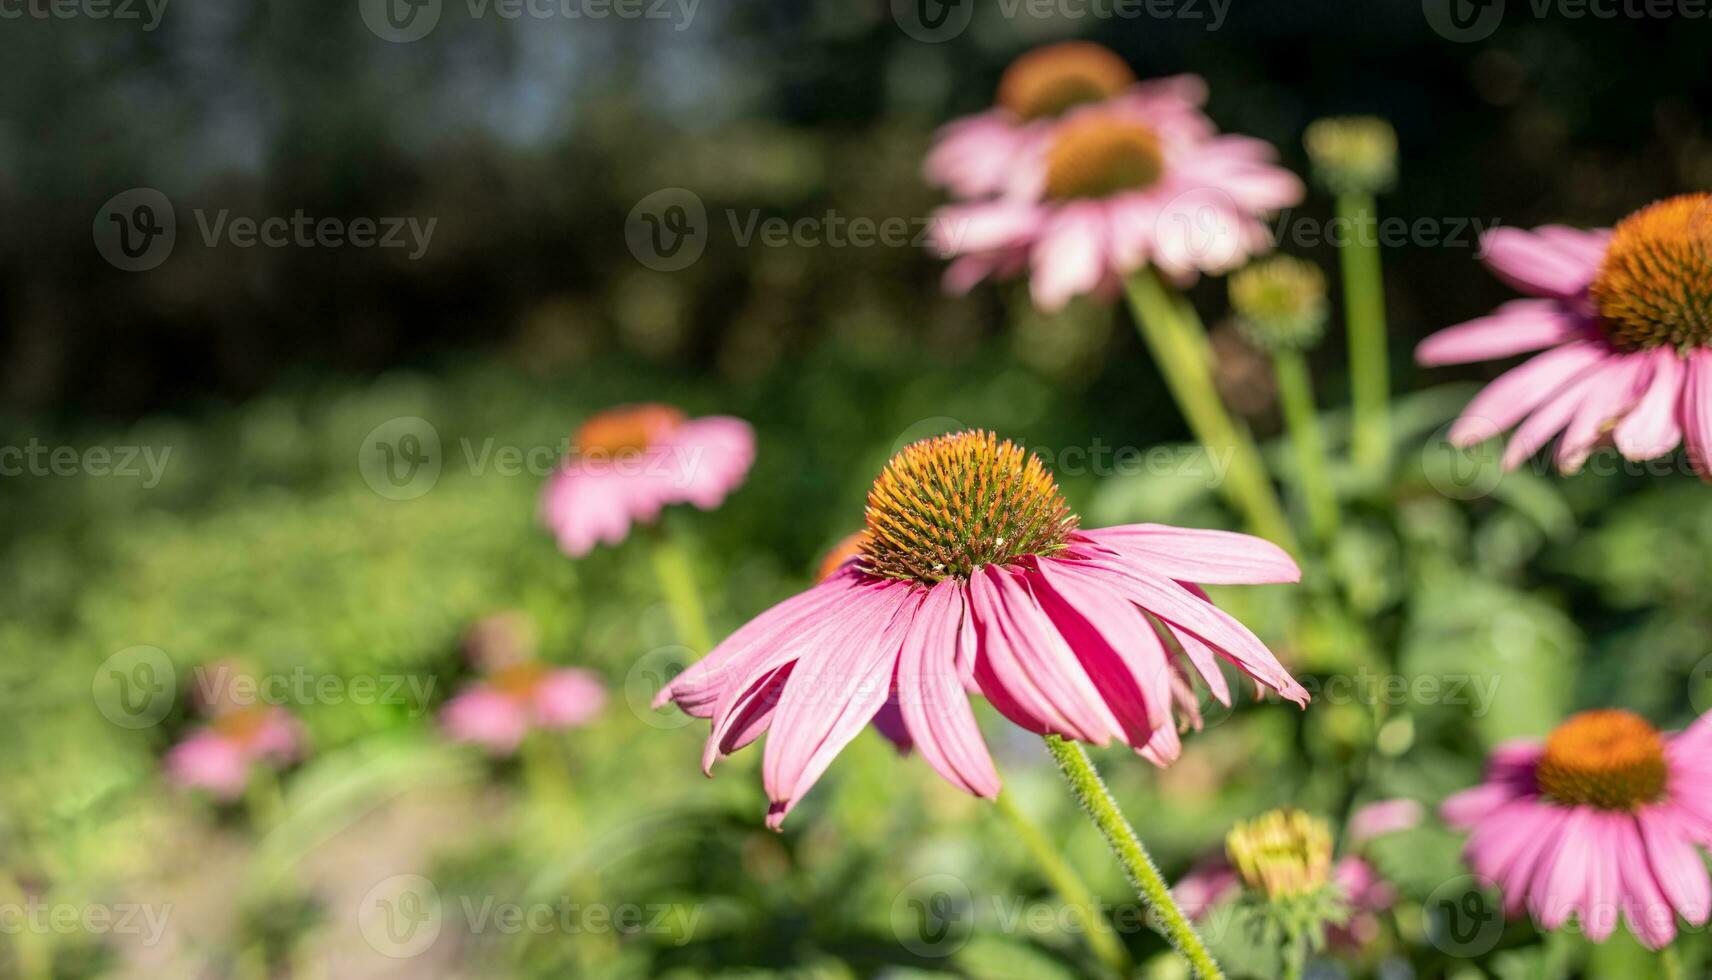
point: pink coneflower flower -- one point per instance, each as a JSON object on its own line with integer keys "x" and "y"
{"x": 1111, "y": 192}
{"x": 1625, "y": 320}
{"x": 1601, "y": 818}
{"x": 628, "y": 463}
{"x": 219, "y": 756}
{"x": 975, "y": 577}
{"x": 498, "y": 711}
{"x": 1382, "y": 817}
{"x": 974, "y": 156}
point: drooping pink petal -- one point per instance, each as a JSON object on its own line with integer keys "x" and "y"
{"x": 1522, "y": 389}
{"x": 1551, "y": 418}
{"x": 1650, "y": 914}
{"x": 931, "y": 695}
{"x": 1675, "y": 863}
{"x": 829, "y": 699}
{"x": 1652, "y": 429}
{"x": 1600, "y": 909}
{"x": 889, "y": 722}
{"x": 1383, "y": 817}
{"x": 1195, "y": 555}
{"x": 1027, "y": 653}
{"x": 1171, "y": 602}
{"x": 1539, "y": 264}
{"x": 1517, "y": 327}
{"x": 1118, "y": 648}
{"x": 1621, "y": 384}
{"x": 1697, "y": 411}
{"x": 1068, "y": 258}
{"x": 1561, "y": 886}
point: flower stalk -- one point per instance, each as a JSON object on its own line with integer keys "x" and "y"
{"x": 1069, "y": 886}
{"x": 677, "y": 585}
{"x": 1364, "y": 311}
{"x": 1097, "y": 802}
{"x": 1178, "y": 341}
{"x": 1301, "y": 418}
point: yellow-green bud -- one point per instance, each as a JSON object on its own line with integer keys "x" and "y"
{"x": 1280, "y": 303}
{"x": 1353, "y": 153}
{"x": 1282, "y": 853}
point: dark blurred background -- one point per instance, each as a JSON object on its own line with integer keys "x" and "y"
{"x": 529, "y": 140}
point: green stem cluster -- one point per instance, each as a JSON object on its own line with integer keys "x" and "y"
{"x": 1179, "y": 344}
{"x": 1364, "y": 310}
{"x": 677, "y": 584}
{"x": 1296, "y": 395}
{"x": 1097, "y": 802}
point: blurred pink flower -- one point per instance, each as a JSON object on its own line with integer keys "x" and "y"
{"x": 1601, "y": 818}
{"x": 628, "y": 463}
{"x": 1382, "y": 817}
{"x": 500, "y": 710}
{"x": 1626, "y": 325}
{"x": 1211, "y": 881}
{"x": 975, "y": 156}
{"x": 1368, "y": 894}
{"x": 974, "y": 577}
{"x": 218, "y": 757}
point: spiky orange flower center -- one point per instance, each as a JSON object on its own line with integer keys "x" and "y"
{"x": 841, "y": 552}
{"x": 627, "y": 430}
{"x": 518, "y": 680}
{"x": 243, "y": 724}
{"x": 1099, "y": 155}
{"x": 1654, "y": 288}
{"x": 1049, "y": 80}
{"x": 944, "y": 507}
{"x": 1609, "y": 759}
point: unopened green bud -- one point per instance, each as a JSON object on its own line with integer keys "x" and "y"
{"x": 1353, "y": 153}
{"x": 1280, "y": 303}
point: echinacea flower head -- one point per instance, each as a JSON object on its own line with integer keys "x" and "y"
{"x": 1282, "y": 854}
{"x": 1352, "y": 154}
{"x": 975, "y": 577}
{"x": 628, "y": 463}
{"x": 1280, "y": 303}
{"x": 498, "y": 711}
{"x": 972, "y": 156}
{"x": 1599, "y": 820}
{"x": 1624, "y": 318}
{"x": 1111, "y": 189}
{"x": 218, "y": 758}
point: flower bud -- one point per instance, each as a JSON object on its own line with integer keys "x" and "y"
{"x": 1353, "y": 154}
{"x": 1282, "y": 854}
{"x": 1280, "y": 303}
